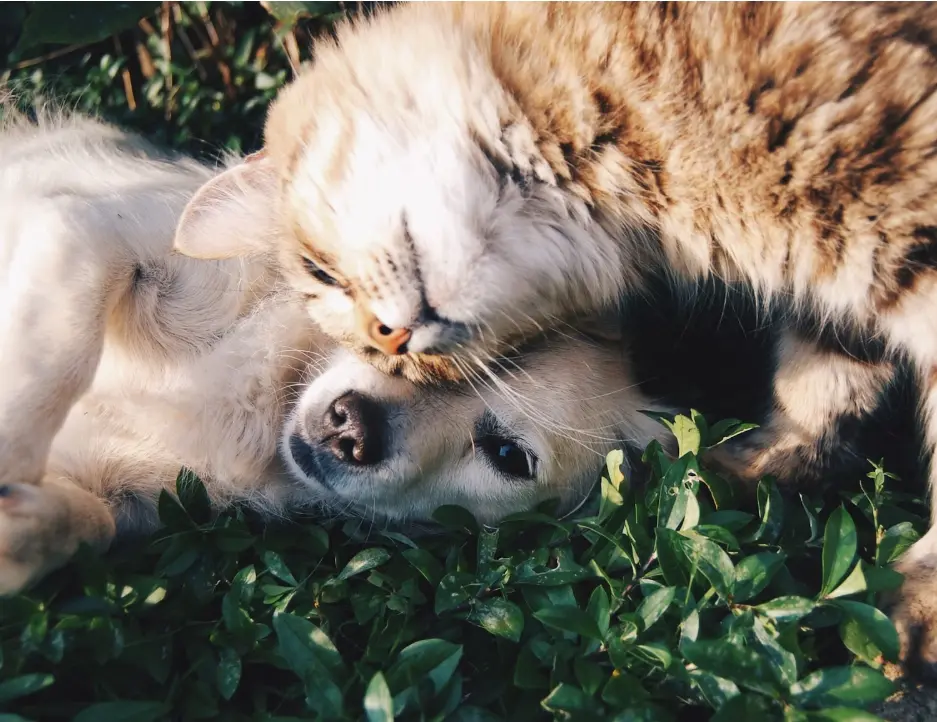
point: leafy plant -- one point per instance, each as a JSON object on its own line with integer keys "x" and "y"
{"x": 194, "y": 75}
{"x": 666, "y": 597}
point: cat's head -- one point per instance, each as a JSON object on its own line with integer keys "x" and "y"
{"x": 411, "y": 206}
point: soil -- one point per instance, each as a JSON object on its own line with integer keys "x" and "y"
{"x": 914, "y": 702}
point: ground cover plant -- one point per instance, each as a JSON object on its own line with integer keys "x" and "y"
{"x": 664, "y": 598}
{"x": 662, "y": 601}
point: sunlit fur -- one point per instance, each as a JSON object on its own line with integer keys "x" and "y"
{"x": 474, "y": 171}
{"x": 123, "y": 361}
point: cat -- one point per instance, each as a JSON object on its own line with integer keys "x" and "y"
{"x": 452, "y": 179}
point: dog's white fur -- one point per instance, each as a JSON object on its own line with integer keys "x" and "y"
{"x": 124, "y": 361}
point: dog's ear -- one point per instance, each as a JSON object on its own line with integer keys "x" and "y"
{"x": 232, "y": 214}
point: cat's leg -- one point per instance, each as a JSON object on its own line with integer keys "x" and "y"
{"x": 42, "y": 526}
{"x": 911, "y": 325}
{"x": 814, "y": 388}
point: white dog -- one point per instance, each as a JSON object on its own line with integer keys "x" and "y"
{"x": 123, "y": 362}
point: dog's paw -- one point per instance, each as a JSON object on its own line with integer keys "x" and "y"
{"x": 41, "y": 527}
{"x": 24, "y": 535}
{"x": 913, "y": 610}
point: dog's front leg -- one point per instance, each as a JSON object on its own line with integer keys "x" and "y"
{"x": 61, "y": 267}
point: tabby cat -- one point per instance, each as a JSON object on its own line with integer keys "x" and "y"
{"x": 451, "y": 179}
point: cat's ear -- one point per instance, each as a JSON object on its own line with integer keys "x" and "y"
{"x": 232, "y": 214}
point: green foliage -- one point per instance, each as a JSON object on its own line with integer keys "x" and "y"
{"x": 665, "y": 598}
{"x": 197, "y": 76}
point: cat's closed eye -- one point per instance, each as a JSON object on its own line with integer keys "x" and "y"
{"x": 317, "y": 273}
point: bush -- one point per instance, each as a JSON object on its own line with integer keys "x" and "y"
{"x": 663, "y": 600}
{"x": 197, "y": 76}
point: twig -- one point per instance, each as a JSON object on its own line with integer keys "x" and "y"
{"x": 51, "y": 55}
{"x": 292, "y": 50}
{"x": 166, "y": 23}
{"x": 125, "y": 77}
{"x": 187, "y": 43}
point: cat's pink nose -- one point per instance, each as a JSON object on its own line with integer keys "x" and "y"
{"x": 391, "y": 341}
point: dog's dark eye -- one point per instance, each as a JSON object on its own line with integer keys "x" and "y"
{"x": 509, "y": 457}
{"x": 318, "y": 274}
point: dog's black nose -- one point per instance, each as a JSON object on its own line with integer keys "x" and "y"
{"x": 353, "y": 429}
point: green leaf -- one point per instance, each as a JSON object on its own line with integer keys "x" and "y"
{"x": 729, "y": 519}
{"x": 675, "y": 488}
{"x": 193, "y": 496}
{"x": 895, "y": 542}
{"x": 454, "y": 590}
{"x": 277, "y": 567}
{"x": 612, "y": 497}
{"x": 783, "y": 660}
{"x": 569, "y": 698}
{"x": 23, "y": 685}
{"x": 500, "y": 617}
{"x": 722, "y": 431}
{"x": 654, "y": 605}
{"x": 289, "y": 13}
{"x": 435, "y": 659}
{"x": 598, "y": 608}
{"x": 623, "y": 689}
{"x": 865, "y": 624}
{"x": 64, "y": 23}
{"x": 487, "y": 546}
{"x": 747, "y": 708}
{"x": 837, "y": 686}
{"x": 787, "y": 609}
{"x": 425, "y": 563}
{"x": 717, "y": 534}
{"x": 707, "y": 557}
{"x": 228, "y": 675}
{"x": 864, "y": 578}
{"x": 123, "y": 712}
{"x": 672, "y": 559}
{"x": 715, "y": 690}
{"x": 364, "y": 561}
{"x": 839, "y": 549}
{"x": 730, "y": 660}
{"x": 378, "y": 704}
{"x": 242, "y": 586}
{"x": 569, "y": 619}
{"x": 565, "y": 571}
{"x": 456, "y": 518}
{"x": 687, "y": 434}
{"x": 842, "y": 714}
{"x": 754, "y": 573}
{"x": 312, "y": 657}
{"x": 770, "y": 512}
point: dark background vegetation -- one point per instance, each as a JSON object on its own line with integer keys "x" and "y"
{"x": 194, "y": 75}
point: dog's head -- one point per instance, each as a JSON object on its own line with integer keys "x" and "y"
{"x": 538, "y": 427}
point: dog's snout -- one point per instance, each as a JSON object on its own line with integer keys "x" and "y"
{"x": 353, "y": 429}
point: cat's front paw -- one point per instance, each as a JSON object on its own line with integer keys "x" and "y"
{"x": 783, "y": 454}
{"x": 913, "y": 610}
{"x": 41, "y": 526}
